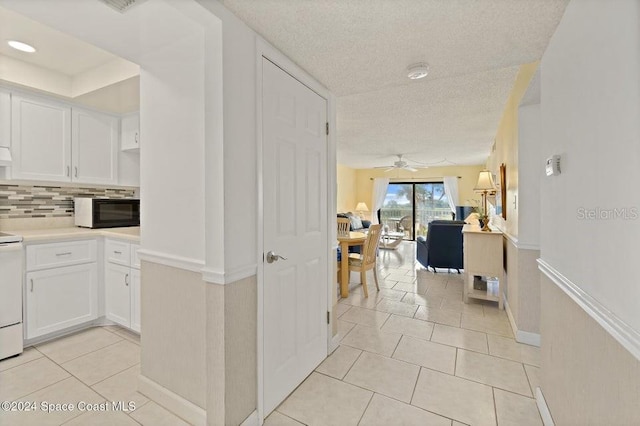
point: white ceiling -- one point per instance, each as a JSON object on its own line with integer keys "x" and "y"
{"x": 56, "y": 51}
{"x": 360, "y": 50}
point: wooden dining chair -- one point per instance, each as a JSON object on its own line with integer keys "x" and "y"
{"x": 368, "y": 259}
{"x": 343, "y": 226}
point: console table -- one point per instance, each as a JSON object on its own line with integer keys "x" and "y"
{"x": 483, "y": 256}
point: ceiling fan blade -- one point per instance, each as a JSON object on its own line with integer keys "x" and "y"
{"x": 389, "y": 169}
{"x": 382, "y": 167}
{"x": 411, "y": 169}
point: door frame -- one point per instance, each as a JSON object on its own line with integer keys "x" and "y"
{"x": 266, "y": 50}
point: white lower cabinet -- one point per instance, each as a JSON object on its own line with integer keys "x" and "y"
{"x": 122, "y": 284}
{"x": 59, "y": 298}
{"x": 135, "y": 300}
{"x": 117, "y": 280}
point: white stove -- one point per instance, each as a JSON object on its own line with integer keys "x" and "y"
{"x": 11, "y": 255}
{"x": 9, "y": 238}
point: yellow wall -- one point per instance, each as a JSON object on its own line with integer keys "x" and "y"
{"x": 346, "y": 191}
{"x": 468, "y": 174}
{"x": 506, "y": 148}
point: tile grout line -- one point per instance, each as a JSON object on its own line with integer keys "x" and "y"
{"x": 415, "y": 386}
{"x": 495, "y": 406}
{"x": 80, "y": 356}
{"x": 287, "y": 416}
{"x": 396, "y": 348}
{"x": 366, "y": 408}
{"x": 351, "y": 367}
{"x": 24, "y": 363}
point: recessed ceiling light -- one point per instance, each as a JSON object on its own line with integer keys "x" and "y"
{"x": 23, "y": 47}
{"x": 418, "y": 71}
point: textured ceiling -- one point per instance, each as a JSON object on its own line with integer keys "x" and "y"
{"x": 56, "y": 51}
{"x": 360, "y": 50}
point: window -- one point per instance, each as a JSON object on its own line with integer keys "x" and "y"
{"x": 409, "y": 207}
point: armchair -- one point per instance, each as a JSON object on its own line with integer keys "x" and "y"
{"x": 443, "y": 246}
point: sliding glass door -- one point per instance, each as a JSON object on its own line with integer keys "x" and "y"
{"x": 410, "y": 206}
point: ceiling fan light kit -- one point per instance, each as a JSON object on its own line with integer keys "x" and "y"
{"x": 418, "y": 71}
{"x": 400, "y": 164}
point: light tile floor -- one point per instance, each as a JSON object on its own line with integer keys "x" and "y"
{"x": 94, "y": 366}
{"x": 411, "y": 354}
{"x": 415, "y": 354}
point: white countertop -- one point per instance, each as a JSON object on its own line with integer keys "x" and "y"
{"x": 131, "y": 233}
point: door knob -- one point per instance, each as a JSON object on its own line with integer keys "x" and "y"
{"x": 272, "y": 257}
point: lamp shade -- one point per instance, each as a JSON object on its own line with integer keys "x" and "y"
{"x": 362, "y": 207}
{"x": 485, "y": 182}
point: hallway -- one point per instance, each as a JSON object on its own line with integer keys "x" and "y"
{"x": 415, "y": 354}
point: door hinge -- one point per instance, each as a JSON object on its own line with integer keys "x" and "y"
{"x": 327, "y": 128}
{"x": 328, "y": 317}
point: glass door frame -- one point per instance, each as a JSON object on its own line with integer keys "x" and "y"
{"x": 413, "y": 201}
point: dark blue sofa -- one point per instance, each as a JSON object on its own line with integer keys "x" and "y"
{"x": 443, "y": 245}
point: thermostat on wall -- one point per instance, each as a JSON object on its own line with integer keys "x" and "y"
{"x": 553, "y": 165}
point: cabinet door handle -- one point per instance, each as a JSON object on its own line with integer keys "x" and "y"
{"x": 68, "y": 171}
{"x": 126, "y": 279}
{"x": 66, "y": 253}
{"x": 31, "y": 285}
{"x": 76, "y": 171}
{"x": 117, "y": 252}
{"x": 136, "y": 138}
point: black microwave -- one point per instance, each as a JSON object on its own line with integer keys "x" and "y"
{"x": 106, "y": 212}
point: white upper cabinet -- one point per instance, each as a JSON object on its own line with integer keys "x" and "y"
{"x": 52, "y": 141}
{"x": 5, "y": 118}
{"x": 40, "y": 139}
{"x": 130, "y": 133}
{"x": 94, "y": 147}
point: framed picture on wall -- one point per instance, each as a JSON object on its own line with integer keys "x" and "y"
{"x": 501, "y": 194}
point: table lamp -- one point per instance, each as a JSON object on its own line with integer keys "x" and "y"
{"x": 484, "y": 185}
{"x": 361, "y": 208}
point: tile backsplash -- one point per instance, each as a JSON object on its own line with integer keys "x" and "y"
{"x": 32, "y": 201}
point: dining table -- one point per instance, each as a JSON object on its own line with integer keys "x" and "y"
{"x": 346, "y": 241}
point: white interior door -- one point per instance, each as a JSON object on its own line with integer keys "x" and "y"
{"x": 295, "y": 227}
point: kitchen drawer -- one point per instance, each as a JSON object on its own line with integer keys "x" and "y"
{"x": 117, "y": 252}
{"x": 135, "y": 260}
{"x": 55, "y": 255}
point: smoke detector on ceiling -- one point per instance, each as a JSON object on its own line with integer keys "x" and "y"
{"x": 418, "y": 71}
{"x": 121, "y": 5}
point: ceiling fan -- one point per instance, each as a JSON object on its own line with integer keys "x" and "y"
{"x": 401, "y": 164}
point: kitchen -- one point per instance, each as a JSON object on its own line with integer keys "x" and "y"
{"x": 69, "y": 186}
{"x": 199, "y": 240}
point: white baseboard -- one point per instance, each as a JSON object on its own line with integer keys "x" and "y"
{"x": 173, "y": 402}
{"x": 335, "y": 342}
{"x": 252, "y": 420}
{"x": 525, "y": 337}
{"x": 543, "y": 408}
{"x": 528, "y": 338}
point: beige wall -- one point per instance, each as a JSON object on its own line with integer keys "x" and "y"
{"x": 232, "y": 351}
{"x": 347, "y": 191}
{"x": 240, "y": 342}
{"x": 199, "y": 340}
{"x": 587, "y": 377}
{"x": 521, "y": 273}
{"x": 173, "y": 330}
{"x": 523, "y": 287}
{"x": 506, "y": 147}
{"x": 468, "y": 174}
